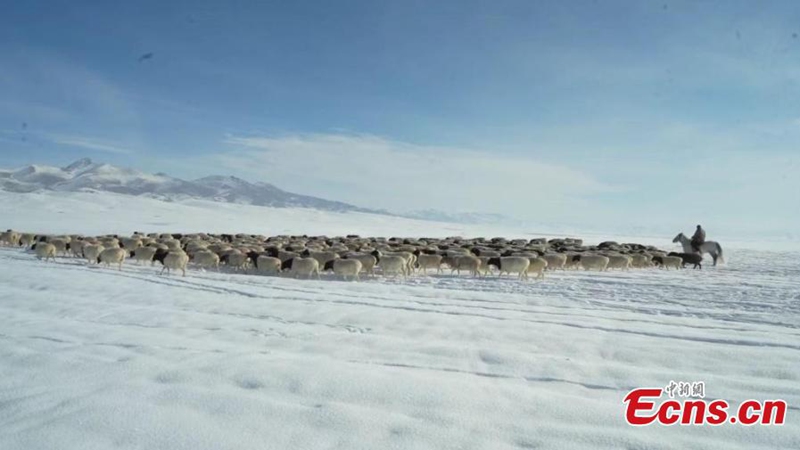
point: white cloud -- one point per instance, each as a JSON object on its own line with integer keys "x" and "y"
{"x": 380, "y": 173}
{"x": 91, "y": 144}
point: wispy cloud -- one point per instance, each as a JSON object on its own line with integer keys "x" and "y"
{"x": 46, "y": 89}
{"x": 91, "y": 144}
{"x": 378, "y": 172}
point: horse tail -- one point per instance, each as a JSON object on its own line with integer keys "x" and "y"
{"x": 719, "y": 252}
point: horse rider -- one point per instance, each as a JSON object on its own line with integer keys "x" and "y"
{"x": 698, "y": 238}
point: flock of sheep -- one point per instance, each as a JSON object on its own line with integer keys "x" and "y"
{"x": 350, "y": 256}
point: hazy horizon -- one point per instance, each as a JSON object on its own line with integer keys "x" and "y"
{"x": 740, "y": 237}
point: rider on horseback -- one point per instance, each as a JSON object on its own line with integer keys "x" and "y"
{"x": 698, "y": 239}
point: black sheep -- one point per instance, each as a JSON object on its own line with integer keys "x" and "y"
{"x": 253, "y": 256}
{"x": 160, "y": 255}
{"x": 328, "y": 265}
{"x": 689, "y": 258}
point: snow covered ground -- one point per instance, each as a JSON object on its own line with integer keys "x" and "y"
{"x": 92, "y": 358}
{"x": 99, "y": 213}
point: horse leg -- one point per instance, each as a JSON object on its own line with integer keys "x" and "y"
{"x": 714, "y": 256}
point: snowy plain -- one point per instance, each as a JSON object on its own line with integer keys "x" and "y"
{"x": 93, "y": 358}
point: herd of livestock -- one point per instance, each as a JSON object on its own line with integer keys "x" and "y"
{"x": 349, "y": 256}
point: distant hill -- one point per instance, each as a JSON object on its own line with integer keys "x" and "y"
{"x": 85, "y": 175}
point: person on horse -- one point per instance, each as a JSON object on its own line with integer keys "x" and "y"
{"x": 698, "y": 239}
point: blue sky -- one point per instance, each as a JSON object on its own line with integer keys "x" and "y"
{"x": 616, "y": 113}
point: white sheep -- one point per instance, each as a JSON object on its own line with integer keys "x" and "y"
{"x": 109, "y": 242}
{"x": 622, "y": 262}
{"x": 408, "y": 257}
{"x": 555, "y": 260}
{"x": 302, "y": 266}
{"x": 27, "y": 239}
{"x": 131, "y": 244}
{"x": 175, "y": 261}
{"x": 672, "y": 261}
{"x": 113, "y": 256}
{"x": 196, "y": 246}
{"x": 76, "y": 248}
{"x": 573, "y": 261}
{"x": 483, "y": 267}
{"x": 393, "y": 264}
{"x": 285, "y": 256}
{"x": 321, "y": 257}
{"x": 158, "y": 246}
{"x": 367, "y": 261}
{"x": 412, "y": 261}
{"x": 268, "y": 264}
{"x": 470, "y": 263}
{"x": 61, "y": 245}
{"x": 10, "y": 238}
{"x": 237, "y": 260}
{"x": 174, "y": 245}
{"x": 511, "y": 264}
{"x": 597, "y": 262}
{"x": 92, "y": 252}
{"x": 641, "y": 261}
{"x": 347, "y": 268}
{"x": 218, "y": 248}
{"x": 45, "y": 250}
{"x": 537, "y": 266}
{"x": 426, "y": 262}
{"x": 206, "y": 259}
{"x": 144, "y": 254}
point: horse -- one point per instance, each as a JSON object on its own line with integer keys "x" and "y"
{"x": 711, "y": 247}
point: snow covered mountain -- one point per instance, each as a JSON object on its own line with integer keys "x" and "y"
{"x": 85, "y": 175}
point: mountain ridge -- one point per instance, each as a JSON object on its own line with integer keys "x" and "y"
{"x": 85, "y": 175}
